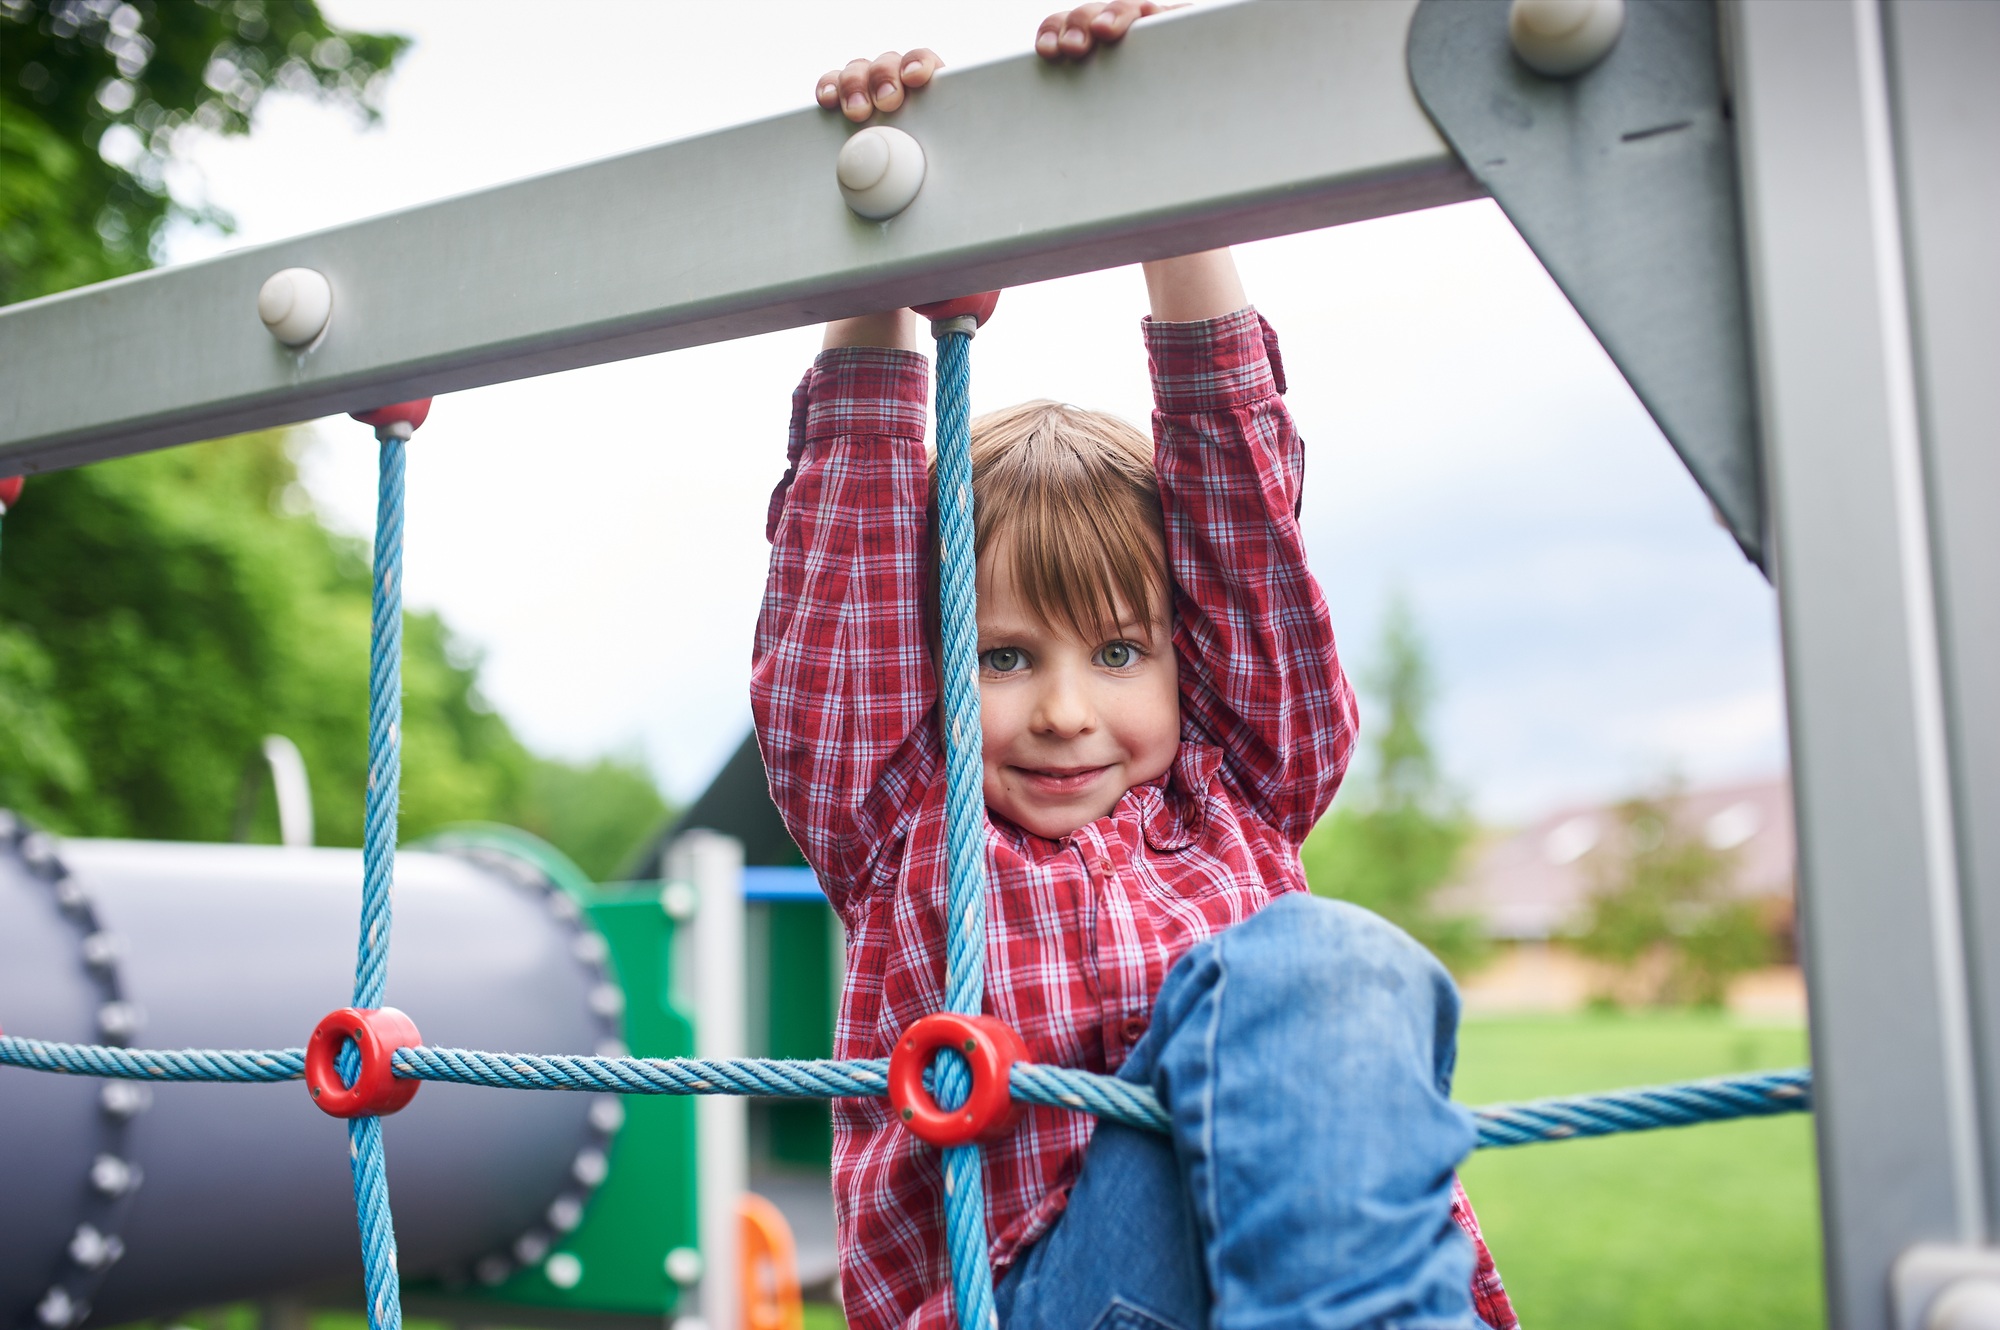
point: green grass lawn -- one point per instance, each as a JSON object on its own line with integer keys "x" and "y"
{"x": 1696, "y": 1226}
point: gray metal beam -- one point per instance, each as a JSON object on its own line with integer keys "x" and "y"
{"x": 1942, "y": 55}
{"x": 1035, "y": 171}
{"x": 1898, "y": 1124}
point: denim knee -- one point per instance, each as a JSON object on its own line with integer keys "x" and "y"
{"x": 1300, "y": 948}
{"x": 1305, "y": 958}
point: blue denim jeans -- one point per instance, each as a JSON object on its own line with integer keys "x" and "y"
{"x": 1305, "y": 1058}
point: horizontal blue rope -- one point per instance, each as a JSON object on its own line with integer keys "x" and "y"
{"x": 147, "y": 1064}
{"x": 815, "y": 1079}
{"x": 1722, "y": 1099}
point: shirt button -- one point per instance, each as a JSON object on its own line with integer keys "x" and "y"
{"x": 1103, "y": 869}
{"x": 1134, "y": 1027}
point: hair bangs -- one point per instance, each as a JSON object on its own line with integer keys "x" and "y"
{"x": 1069, "y": 499}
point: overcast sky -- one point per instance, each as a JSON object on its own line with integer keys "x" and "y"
{"x": 599, "y": 534}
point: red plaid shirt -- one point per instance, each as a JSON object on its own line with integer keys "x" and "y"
{"x": 1080, "y": 932}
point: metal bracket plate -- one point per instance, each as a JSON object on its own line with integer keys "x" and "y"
{"x": 1623, "y": 182}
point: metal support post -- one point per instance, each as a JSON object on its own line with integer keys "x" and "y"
{"x": 1829, "y": 221}
{"x": 1946, "y": 115}
{"x": 713, "y": 866}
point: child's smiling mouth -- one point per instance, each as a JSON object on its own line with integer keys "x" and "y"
{"x": 1059, "y": 781}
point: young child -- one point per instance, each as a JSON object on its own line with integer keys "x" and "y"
{"x": 1164, "y": 720}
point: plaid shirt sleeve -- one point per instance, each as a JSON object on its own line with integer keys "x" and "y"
{"x": 841, "y": 678}
{"x": 1260, "y": 679}
{"x": 1489, "y": 1298}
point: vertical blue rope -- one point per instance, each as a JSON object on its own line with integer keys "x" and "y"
{"x": 378, "y": 853}
{"x": 385, "y": 722}
{"x": 965, "y": 818}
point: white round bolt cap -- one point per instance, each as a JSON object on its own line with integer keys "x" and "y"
{"x": 679, "y": 901}
{"x": 1564, "y": 37}
{"x": 563, "y": 1270}
{"x": 1969, "y": 1304}
{"x": 880, "y": 171}
{"x": 295, "y": 304}
{"x": 683, "y": 1266}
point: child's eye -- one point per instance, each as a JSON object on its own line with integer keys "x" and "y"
{"x": 1117, "y": 655}
{"x": 1002, "y": 660}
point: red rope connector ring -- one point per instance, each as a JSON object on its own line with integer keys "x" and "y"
{"x": 399, "y": 421}
{"x": 978, "y": 308}
{"x": 990, "y": 1048}
{"x": 377, "y": 1034}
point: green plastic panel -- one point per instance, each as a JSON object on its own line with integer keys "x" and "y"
{"x": 646, "y": 1206}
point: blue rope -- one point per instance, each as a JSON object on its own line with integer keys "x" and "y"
{"x": 965, "y": 814}
{"x": 385, "y": 722}
{"x": 1572, "y": 1117}
{"x": 146, "y": 1064}
{"x": 1720, "y": 1099}
{"x": 365, "y": 1151}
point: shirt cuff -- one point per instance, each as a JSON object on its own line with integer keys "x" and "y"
{"x": 1213, "y": 364}
{"x": 867, "y": 390}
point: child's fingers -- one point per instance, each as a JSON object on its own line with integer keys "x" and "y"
{"x": 855, "y": 101}
{"x": 1076, "y": 39}
{"x": 885, "y": 81}
{"x": 1048, "y": 37}
{"x": 1075, "y": 33}
{"x": 864, "y": 87}
{"x": 920, "y": 66}
{"x": 1116, "y": 19}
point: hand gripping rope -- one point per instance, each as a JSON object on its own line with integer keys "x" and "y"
{"x": 956, "y": 1077}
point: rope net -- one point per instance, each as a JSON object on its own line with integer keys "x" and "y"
{"x": 948, "y": 1080}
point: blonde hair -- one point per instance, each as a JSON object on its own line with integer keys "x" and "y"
{"x": 1075, "y": 494}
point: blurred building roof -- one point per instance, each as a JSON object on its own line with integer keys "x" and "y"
{"x": 1530, "y": 884}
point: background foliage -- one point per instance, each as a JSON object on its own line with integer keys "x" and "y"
{"x": 1661, "y": 912}
{"x": 160, "y": 614}
{"x": 95, "y": 95}
{"x": 1399, "y": 829}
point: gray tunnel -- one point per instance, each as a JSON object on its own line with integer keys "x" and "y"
{"x": 120, "y": 1201}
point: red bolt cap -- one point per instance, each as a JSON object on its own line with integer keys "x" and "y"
{"x": 377, "y": 1034}
{"x": 980, "y": 307}
{"x": 410, "y": 413}
{"x": 990, "y": 1048}
{"x": 10, "y": 491}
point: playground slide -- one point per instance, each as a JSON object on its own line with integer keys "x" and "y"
{"x": 138, "y": 1201}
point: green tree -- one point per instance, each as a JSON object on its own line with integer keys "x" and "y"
{"x": 595, "y": 812}
{"x": 1661, "y": 910}
{"x": 1399, "y": 831}
{"x": 160, "y": 614}
{"x": 95, "y": 96}
{"x": 175, "y": 607}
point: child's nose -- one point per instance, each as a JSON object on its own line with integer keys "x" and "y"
{"x": 1063, "y": 706}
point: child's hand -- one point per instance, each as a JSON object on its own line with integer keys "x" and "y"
{"x": 1076, "y": 33}
{"x": 865, "y": 87}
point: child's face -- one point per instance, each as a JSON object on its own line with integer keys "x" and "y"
{"x": 1070, "y": 724}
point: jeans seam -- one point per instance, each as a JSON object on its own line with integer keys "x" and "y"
{"x": 1211, "y": 1199}
{"x": 1124, "y": 1311}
